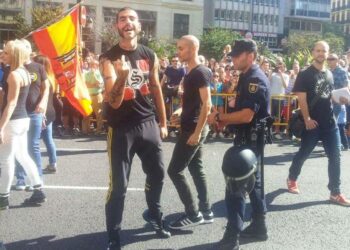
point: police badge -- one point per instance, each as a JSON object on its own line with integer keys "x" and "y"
{"x": 253, "y": 88}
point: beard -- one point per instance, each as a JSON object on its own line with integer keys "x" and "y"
{"x": 122, "y": 34}
{"x": 320, "y": 60}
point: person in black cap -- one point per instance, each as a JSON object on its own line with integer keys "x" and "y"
{"x": 250, "y": 108}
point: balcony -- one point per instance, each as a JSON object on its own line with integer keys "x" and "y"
{"x": 11, "y": 5}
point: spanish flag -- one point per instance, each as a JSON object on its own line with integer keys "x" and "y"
{"x": 61, "y": 43}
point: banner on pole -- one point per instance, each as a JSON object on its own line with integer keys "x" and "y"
{"x": 61, "y": 42}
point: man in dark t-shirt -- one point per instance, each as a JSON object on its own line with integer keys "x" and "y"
{"x": 317, "y": 82}
{"x": 188, "y": 151}
{"x": 170, "y": 83}
{"x": 130, "y": 71}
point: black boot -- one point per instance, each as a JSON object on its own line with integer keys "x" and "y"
{"x": 157, "y": 224}
{"x": 256, "y": 229}
{"x": 4, "y": 203}
{"x": 114, "y": 241}
{"x": 230, "y": 241}
{"x": 36, "y": 199}
{"x": 113, "y": 246}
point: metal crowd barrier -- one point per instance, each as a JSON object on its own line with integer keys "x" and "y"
{"x": 281, "y": 106}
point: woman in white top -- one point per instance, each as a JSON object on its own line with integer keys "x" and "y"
{"x": 14, "y": 125}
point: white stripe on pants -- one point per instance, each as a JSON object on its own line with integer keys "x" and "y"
{"x": 15, "y": 147}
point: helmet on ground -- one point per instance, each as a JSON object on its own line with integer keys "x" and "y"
{"x": 239, "y": 165}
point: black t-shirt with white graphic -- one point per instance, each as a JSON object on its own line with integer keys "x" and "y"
{"x": 198, "y": 77}
{"x": 37, "y": 76}
{"x": 313, "y": 81}
{"x": 137, "y": 105}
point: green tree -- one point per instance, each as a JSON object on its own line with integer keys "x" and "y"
{"x": 163, "y": 47}
{"x": 40, "y": 17}
{"x": 214, "y": 40}
{"x": 336, "y": 43}
{"x": 301, "y": 42}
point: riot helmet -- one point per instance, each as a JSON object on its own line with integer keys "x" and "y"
{"x": 239, "y": 165}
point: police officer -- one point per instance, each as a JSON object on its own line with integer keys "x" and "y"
{"x": 250, "y": 108}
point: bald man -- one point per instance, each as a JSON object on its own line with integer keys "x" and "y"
{"x": 188, "y": 150}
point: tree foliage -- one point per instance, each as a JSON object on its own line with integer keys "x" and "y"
{"x": 109, "y": 36}
{"x": 40, "y": 17}
{"x": 305, "y": 41}
{"x": 163, "y": 47}
{"x": 214, "y": 40}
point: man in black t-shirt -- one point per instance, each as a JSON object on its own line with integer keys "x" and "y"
{"x": 313, "y": 87}
{"x": 130, "y": 71}
{"x": 188, "y": 151}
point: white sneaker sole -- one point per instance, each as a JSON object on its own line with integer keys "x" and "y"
{"x": 188, "y": 225}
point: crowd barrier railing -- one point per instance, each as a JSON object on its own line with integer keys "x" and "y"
{"x": 281, "y": 106}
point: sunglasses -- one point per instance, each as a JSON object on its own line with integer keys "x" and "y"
{"x": 331, "y": 59}
{"x": 175, "y": 60}
{"x": 234, "y": 75}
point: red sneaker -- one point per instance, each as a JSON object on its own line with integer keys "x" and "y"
{"x": 292, "y": 186}
{"x": 340, "y": 200}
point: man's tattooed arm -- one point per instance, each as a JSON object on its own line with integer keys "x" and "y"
{"x": 116, "y": 95}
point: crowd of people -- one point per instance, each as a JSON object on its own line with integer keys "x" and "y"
{"x": 137, "y": 95}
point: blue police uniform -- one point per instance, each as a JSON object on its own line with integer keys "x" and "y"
{"x": 252, "y": 93}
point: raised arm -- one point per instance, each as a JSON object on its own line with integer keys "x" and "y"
{"x": 115, "y": 76}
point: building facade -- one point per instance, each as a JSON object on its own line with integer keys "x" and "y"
{"x": 261, "y": 19}
{"x": 269, "y": 21}
{"x": 341, "y": 14}
{"x": 306, "y": 15}
{"x": 167, "y": 19}
{"x": 8, "y": 10}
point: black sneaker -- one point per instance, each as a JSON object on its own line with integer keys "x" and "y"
{"x": 4, "y": 203}
{"x": 208, "y": 216}
{"x": 157, "y": 225}
{"x": 114, "y": 246}
{"x": 185, "y": 221}
{"x": 256, "y": 229}
{"x": 229, "y": 241}
{"x": 37, "y": 198}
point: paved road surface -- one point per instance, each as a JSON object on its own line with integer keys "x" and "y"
{"x": 73, "y": 217}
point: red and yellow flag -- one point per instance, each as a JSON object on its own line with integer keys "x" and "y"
{"x": 61, "y": 43}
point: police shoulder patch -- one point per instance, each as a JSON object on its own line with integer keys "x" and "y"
{"x": 253, "y": 88}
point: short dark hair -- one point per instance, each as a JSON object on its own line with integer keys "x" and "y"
{"x": 121, "y": 10}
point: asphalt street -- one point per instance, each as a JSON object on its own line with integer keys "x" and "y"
{"x": 73, "y": 216}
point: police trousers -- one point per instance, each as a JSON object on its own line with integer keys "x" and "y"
{"x": 236, "y": 202}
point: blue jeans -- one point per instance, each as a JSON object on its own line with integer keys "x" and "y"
{"x": 46, "y": 135}
{"x": 331, "y": 143}
{"x": 34, "y": 133}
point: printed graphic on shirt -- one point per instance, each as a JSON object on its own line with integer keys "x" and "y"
{"x": 138, "y": 80}
{"x": 322, "y": 87}
{"x": 33, "y": 77}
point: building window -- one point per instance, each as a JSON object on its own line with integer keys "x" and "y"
{"x": 181, "y": 25}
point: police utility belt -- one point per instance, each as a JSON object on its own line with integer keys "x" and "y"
{"x": 255, "y": 134}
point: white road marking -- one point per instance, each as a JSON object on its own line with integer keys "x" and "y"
{"x": 73, "y": 149}
{"x": 86, "y": 188}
